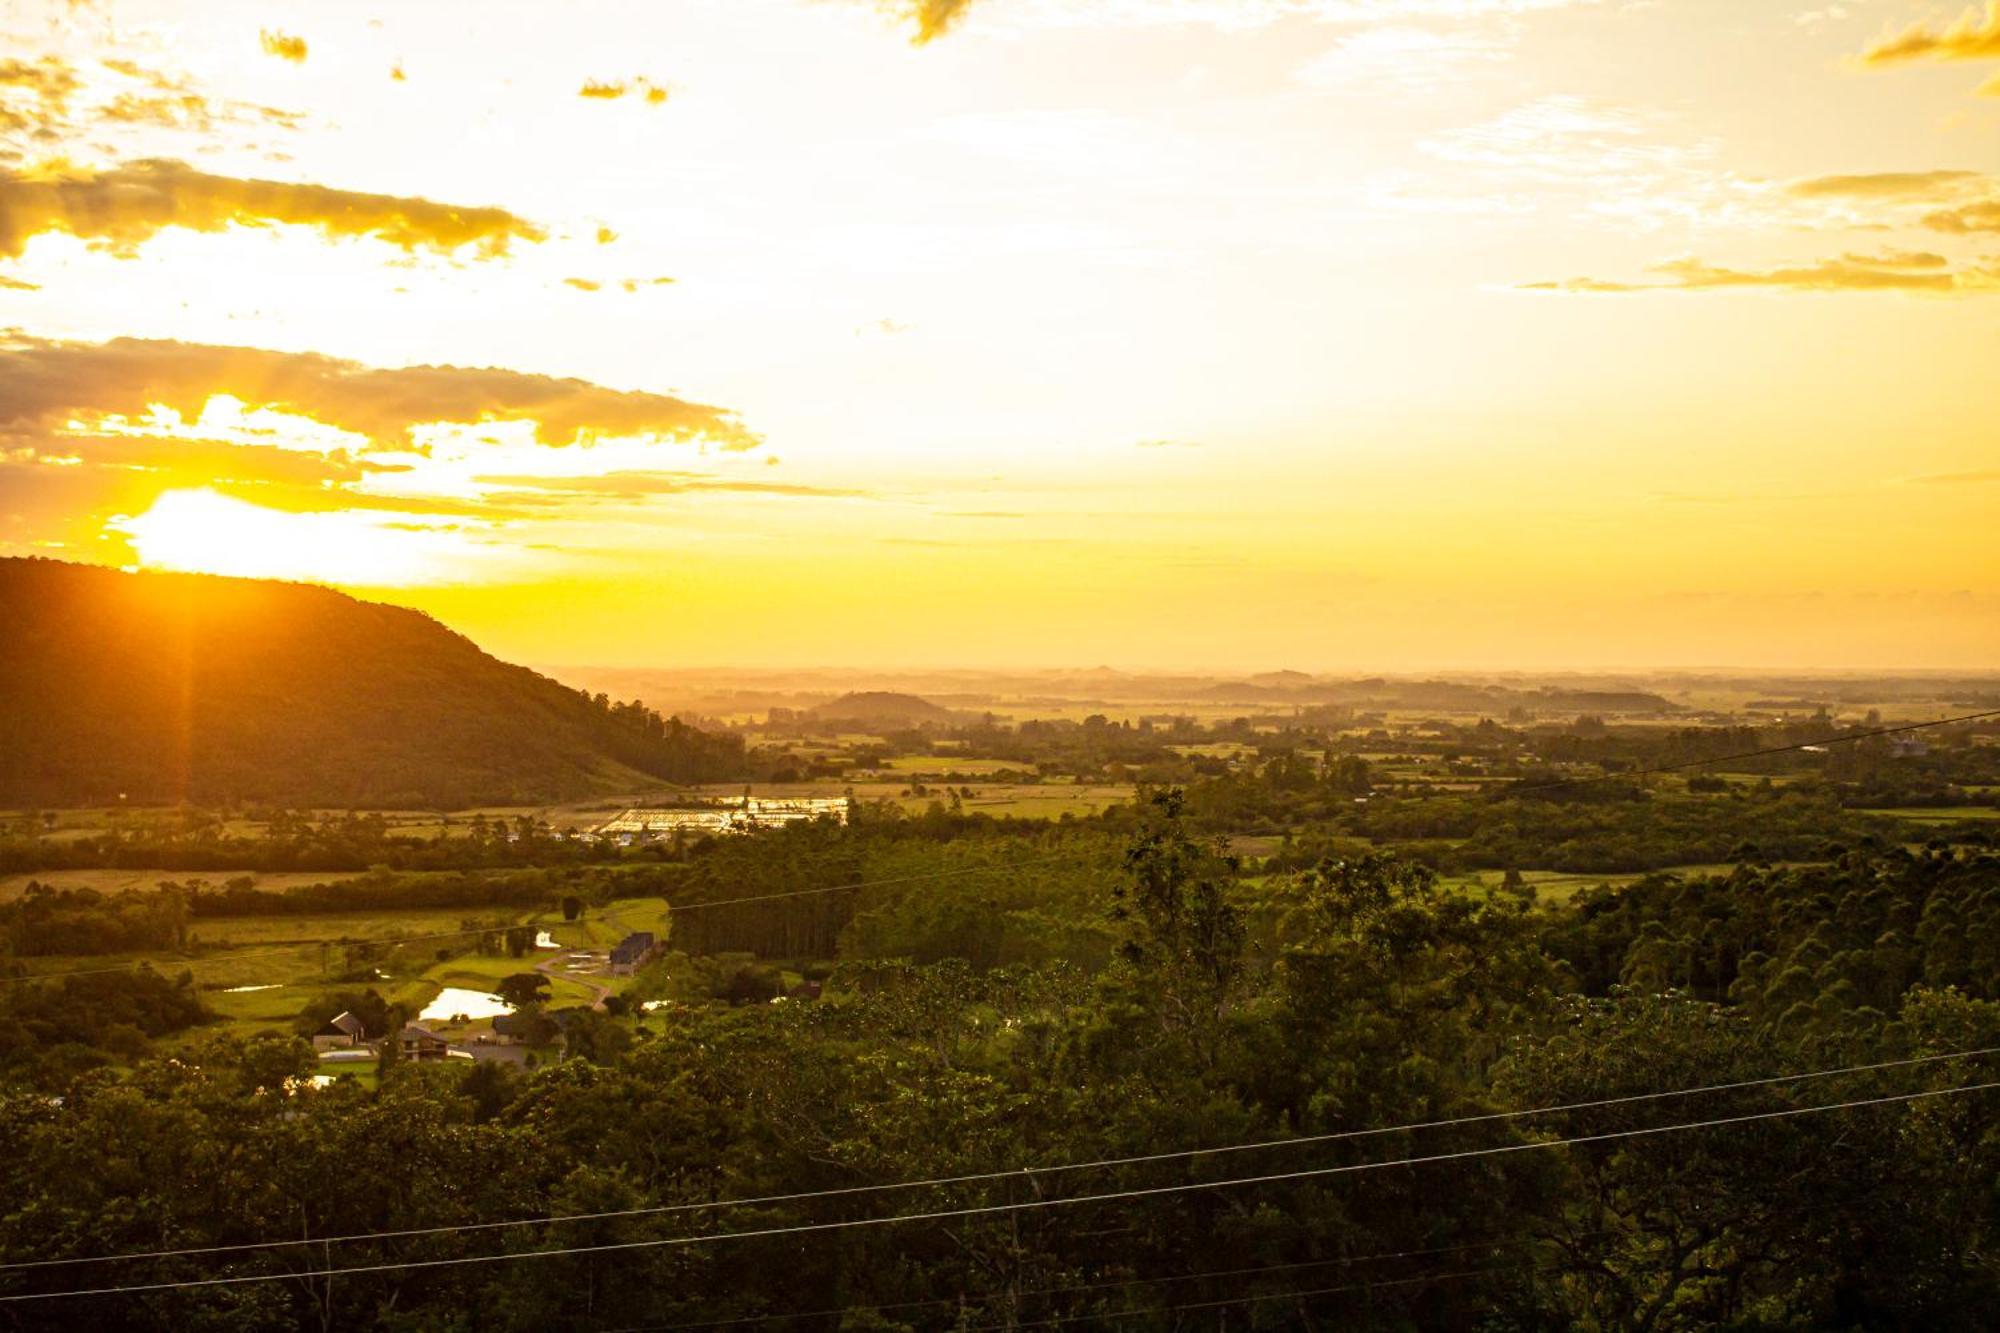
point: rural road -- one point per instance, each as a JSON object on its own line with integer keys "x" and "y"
{"x": 547, "y": 968}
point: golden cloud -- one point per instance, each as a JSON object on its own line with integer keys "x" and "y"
{"x": 1972, "y": 37}
{"x": 1905, "y": 271}
{"x": 604, "y": 90}
{"x": 126, "y": 205}
{"x": 1887, "y": 185}
{"x": 1968, "y": 218}
{"x": 50, "y": 78}
{"x": 933, "y": 18}
{"x": 45, "y": 384}
{"x": 283, "y": 45}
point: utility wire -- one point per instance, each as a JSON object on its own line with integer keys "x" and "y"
{"x": 1255, "y": 1270}
{"x": 1017, "y": 1173}
{"x": 993, "y": 1209}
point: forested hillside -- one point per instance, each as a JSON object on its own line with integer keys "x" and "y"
{"x": 164, "y": 687}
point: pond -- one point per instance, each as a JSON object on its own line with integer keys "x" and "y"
{"x": 457, "y": 1002}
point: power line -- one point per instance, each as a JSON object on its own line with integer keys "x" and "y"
{"x": 1754, "y": 754}
{"x": 947, "y": 1214}
{"x": 1256, "y": 1270}
{"x": 1293, "y": 1294}
{"x": 1016, "y": 1173}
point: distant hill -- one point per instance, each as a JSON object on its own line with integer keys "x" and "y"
{"x": 883, "y": 708}
{"x": 165, "y": 687}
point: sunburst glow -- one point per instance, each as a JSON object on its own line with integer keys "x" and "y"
{"x": 199, "y": 531}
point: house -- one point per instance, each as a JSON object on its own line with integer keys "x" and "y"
{"x": 343, "y": 1032}
{"x": 420, "y": 1043}
{"x": 632, "y": 953}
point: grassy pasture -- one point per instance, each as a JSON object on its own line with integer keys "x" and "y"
{"x": 1949, "y": 814}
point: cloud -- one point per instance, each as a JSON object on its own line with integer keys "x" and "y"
{"x": 1970, "y": 38}
{"x": 283, "y": 45}
{"x": 1969, "y": 218}
{"x": 602, "y": 90}
{"x": 45, "y": 384}
{"x": 1905, "y": 271}
{"x": 1892, "y": 185}
{"x": 533, "y": 489}
{"x": 1406, "y": 59}
{"x": 126, "y": 205}
{"x": 51, "y": 79}
{"x": 931, "y": 18}
{"x": 48, "y": 103}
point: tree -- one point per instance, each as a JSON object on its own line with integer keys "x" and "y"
{"x": 524, "y": 989}
{"x": 1184, "y": 938}
{"x": 572, "y": 907}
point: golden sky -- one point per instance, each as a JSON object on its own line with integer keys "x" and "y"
{"x": 1329, "y": 334}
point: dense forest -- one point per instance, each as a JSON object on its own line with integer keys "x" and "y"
{"x": 1103, "y": 1074}
{"x": 149, "y": 687}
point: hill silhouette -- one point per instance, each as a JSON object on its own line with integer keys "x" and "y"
{"x": 882, "y": 708}
{"x": 166, "y": 687}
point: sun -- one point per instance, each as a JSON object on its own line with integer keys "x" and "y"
{"x": 203, "y": 532}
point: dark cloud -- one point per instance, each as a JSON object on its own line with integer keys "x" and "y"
{"x": 44, "y": 384}
{"x": 123, "y": 206}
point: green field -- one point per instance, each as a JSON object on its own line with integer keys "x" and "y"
{"x": 1946, "y": 814}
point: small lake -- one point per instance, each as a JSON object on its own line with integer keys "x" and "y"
{"x": 457, "y": 1002}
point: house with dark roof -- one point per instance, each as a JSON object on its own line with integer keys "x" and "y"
{"x": 342, "y": 1032}
{"x": 632, "y": 953}
{"x": 420, "y": 1043}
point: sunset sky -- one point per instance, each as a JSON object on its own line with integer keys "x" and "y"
{"x": 1327, "y": 334}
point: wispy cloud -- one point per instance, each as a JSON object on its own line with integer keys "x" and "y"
{"x": 1892, "y": 185}
{"x": 1400, "y": 57}
{"x": 1890, "y": 271}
